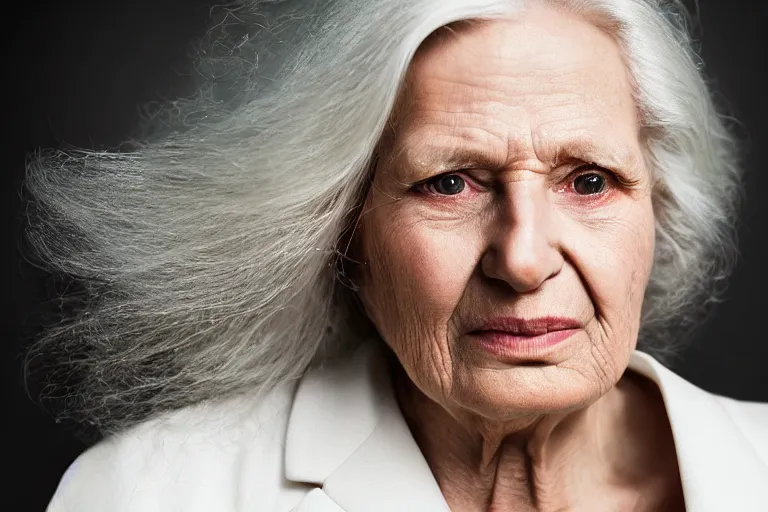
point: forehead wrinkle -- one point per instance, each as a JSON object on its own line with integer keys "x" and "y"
{"x": 540, "y": 153}
{"x": 454, "y": 133}
{"x": 429, "y": 142}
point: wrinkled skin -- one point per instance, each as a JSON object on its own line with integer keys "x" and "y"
{"x": 517, "y": 114}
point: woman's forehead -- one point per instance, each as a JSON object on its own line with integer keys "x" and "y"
{"x": 545, "y": 85}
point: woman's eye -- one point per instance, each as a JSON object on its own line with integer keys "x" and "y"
{"x": 447, "y": 184}
{"x": 589, "y": 184}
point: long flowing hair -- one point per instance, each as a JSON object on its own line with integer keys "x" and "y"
{"x": 210, "y": 249}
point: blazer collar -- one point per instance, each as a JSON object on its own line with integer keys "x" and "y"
{"x": 346, "y": 435}
{"x": 719, "y": 467}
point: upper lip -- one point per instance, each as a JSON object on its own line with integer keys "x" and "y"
{"x": 527, "y": 326}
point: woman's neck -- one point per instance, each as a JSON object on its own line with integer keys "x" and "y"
{"x": 615, "y": 454}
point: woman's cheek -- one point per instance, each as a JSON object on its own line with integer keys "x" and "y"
{"x": 434, "y": 263}
{"x": 420, "y": 268}
{"x": 614, "y": 258}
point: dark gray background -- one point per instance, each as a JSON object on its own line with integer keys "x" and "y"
{"x": 78, "y": 72}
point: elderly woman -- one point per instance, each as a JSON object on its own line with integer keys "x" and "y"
{"x": 400, "y": 259}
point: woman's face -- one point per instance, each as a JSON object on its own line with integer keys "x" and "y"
{"x": 511, "y": 200}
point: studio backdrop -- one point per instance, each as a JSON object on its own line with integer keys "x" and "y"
{"x": 83, "y": 73}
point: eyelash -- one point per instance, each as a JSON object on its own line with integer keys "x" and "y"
{"x": 610, "y": 177}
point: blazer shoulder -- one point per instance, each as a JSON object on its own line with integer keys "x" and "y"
{"x": 189, "y": 459}
{"x": 752, "y": 419}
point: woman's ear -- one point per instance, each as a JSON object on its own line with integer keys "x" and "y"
{"x": 353, "y": 272}
{"x": 349, "y": 262}
{"x": 351, "y": 265}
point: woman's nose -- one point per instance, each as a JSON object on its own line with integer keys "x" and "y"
{"x": 523, "y": 248}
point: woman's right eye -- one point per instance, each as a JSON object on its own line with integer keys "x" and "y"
{"x": 446, "y": 185}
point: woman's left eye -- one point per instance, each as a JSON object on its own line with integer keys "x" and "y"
{"x": 590, "y": 183}
{"x": 446, "y": 184}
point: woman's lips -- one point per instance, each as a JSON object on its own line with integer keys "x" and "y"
{"x": 515, "y": 346}
{"x": 516, "y": 339}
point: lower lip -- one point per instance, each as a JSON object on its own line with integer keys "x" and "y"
{"x": 517, "y": 347}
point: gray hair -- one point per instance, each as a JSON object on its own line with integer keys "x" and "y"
{"x": 210, "y": 250}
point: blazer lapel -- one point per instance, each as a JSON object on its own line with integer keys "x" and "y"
{"x": 719, "y": 467}
{"x": 347, "y": 435}
{"x": 317, "y": 501}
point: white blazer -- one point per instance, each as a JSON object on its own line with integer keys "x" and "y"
{"x": 337, "y": 441}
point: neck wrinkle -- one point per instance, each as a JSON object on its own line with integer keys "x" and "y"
{"x": 522, "y": 463}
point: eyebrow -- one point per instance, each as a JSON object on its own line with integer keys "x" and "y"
{"x": 609, "y": 153}
{"x": 457, "y": 157}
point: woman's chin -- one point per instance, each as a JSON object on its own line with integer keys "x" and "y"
{"x": 520, "y": 391}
